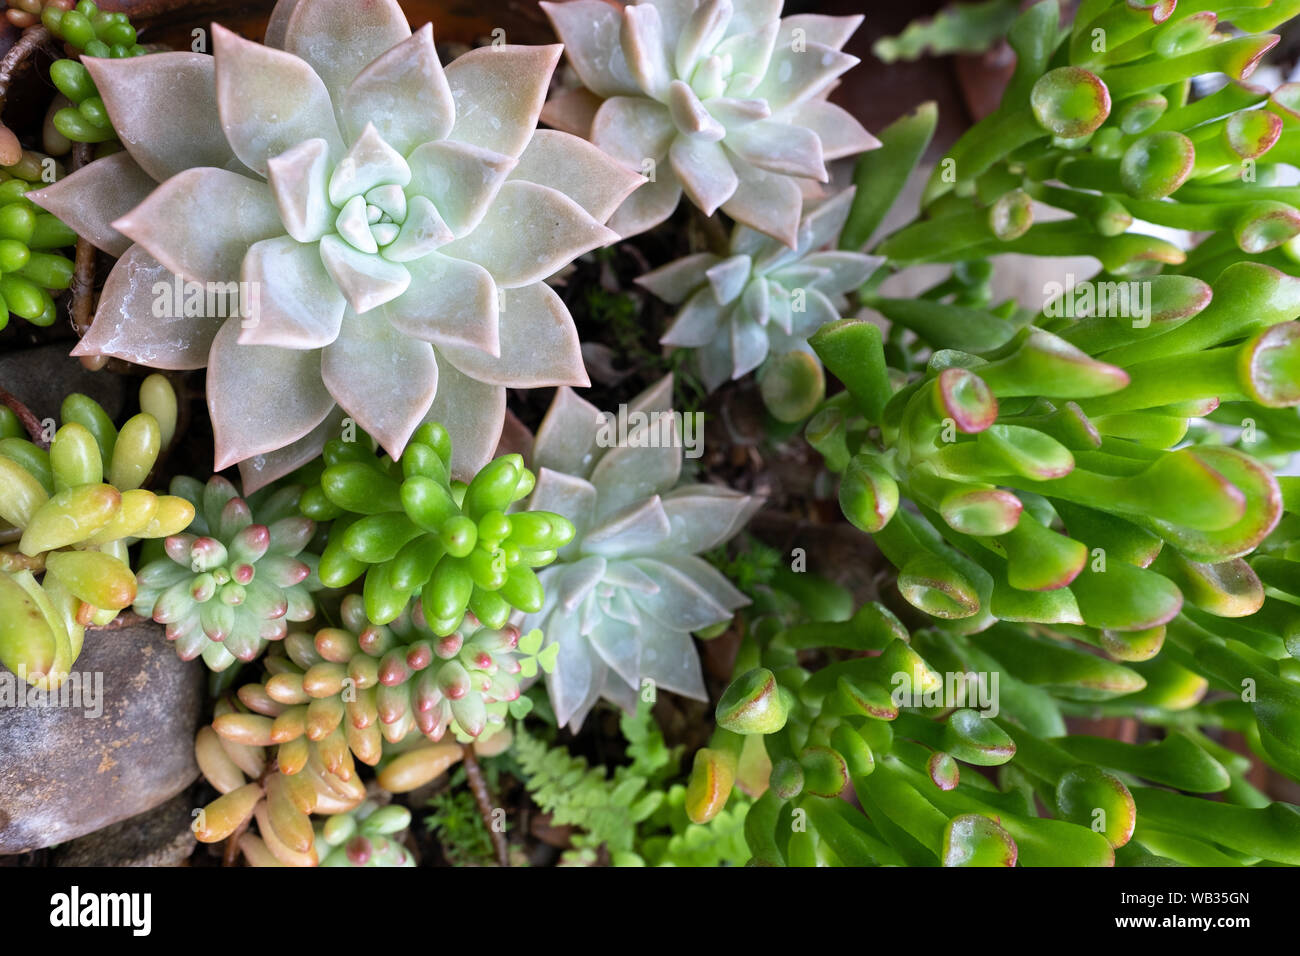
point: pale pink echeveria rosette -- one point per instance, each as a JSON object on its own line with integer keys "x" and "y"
{"x": 625, "y": 594}
{"x": 721, "y": 99}
{"x": 763, "y": 296}
{"x": 396, "y": 221}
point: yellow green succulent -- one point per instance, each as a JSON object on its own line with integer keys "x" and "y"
{"x": 68, "y": 514}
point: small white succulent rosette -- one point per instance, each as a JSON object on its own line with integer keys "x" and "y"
{"x": 723, "y": 100}
{"x": 764, "y": 296}
{"x": 628, "y": 590}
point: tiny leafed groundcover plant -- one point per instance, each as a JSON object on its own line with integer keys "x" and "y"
{"x": 869, "y": 579}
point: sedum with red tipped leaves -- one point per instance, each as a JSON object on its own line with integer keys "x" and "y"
{"x": 358, "y": 686}
{"x": 236, "y": 578}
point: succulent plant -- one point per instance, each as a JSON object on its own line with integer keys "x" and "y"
{"x": 356, "y": 686}
{"x": 411, "y": 531}
{"x": 625, "y": 594}
{"x": 86, "y": 30}
{"x": 722, "y": 100}
{"x": 417, "y": 761}
{"x": 1089, "y": 450}
{"x": 389, "y": 225}
{"x": 1086, "y": 502}
{"x": 278, "y": 763}
{"x": 846, "y": 727}
{"x": 1053, "y": 470}
{"x": 1114, "y": 134}
{"x": 1045, "y": 454}
{"x": 62, "y": 520}
{"x": 958, "y": 28}
{"x": 89, "y": 30}
{"x": 366, "y": 836}
{"x": 763, "y": 297}
{"x": 235, "y": 578}
{"x": 27, "y": 13}
{"x": 29, "y": 270}
{"x": 279, "y": 787}
{"x": 86, "y": 120}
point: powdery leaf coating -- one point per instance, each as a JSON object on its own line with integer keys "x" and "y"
{"x": 762, "y": 298}
{"x": 626, "y": 593}
{"x": 95, "y": 196}
{"x": 379, "y": 228}
{"x": 722, "y": 99}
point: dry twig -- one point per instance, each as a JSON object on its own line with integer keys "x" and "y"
{"x": 478, "y": 786}
{"x": 33, "y": 39}
{"x": 25, "y": 415}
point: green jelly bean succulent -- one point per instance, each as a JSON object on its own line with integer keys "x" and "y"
{"x": 30, "y": 271}
{"x": 92, "y": 31}
{"x": 69, "y": 514}
{"x": 86, "y": 120}
{"x": 29, "y": 268}
{"x": 411, "y": 531}
{"x": 85, "y": 31}
{"x": 238, "y": 575}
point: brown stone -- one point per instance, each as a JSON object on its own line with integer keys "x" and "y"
{"x": 159, "y": 837}
{"x": 64, "y": 773}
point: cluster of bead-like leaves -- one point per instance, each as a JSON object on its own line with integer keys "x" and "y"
{"x": 235, "y": 579}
